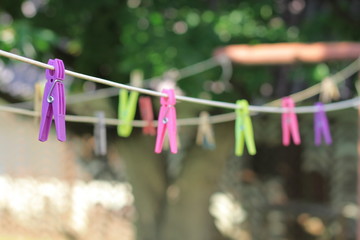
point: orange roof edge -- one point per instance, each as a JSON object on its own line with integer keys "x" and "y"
{"x": 289, "y": 53}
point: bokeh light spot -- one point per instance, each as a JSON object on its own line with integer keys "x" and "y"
{"x": 266, "y": 12}
{"x": 208, "y": 16}
{"x": 28, "y": 8}
{"x": 7, "y": 35}
{"x": 296, "y": 6}
{"x": 180, "y": 27}
{"x": 143, "y": 23}
{"x": 292, "y": 32}
{"x": 235, "y": 17}
{"x": 266, "y": 89}
{"x": 5, "y": 19}
{"x": 193, "y": 19}
{"x": 133, "y": 3}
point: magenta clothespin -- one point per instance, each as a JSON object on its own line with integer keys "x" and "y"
{"x": 167, "y": 120}
{"x": 289, "y": 122}
{"x": 53, "y": 104}
{"x": 321, "y": 125}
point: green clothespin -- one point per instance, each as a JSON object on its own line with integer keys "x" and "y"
{"x": 127, "y": 104}
{"x": 126, "y": 111}
{"x": 243, "y": 129}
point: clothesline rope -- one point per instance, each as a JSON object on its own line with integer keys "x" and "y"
{"x": 180, "y": 74}
{"x": 117, "y": 85}
{"x": 266, "y": 109}
{"x": 114, "y": 122}
{"x": 210, "y": 63}
{"x": 316, "y": 89}
{"x": 186, "y": 121}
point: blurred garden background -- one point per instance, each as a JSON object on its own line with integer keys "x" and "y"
{"x": 57, "y": 190}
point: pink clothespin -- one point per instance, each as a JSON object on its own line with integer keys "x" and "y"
{"x": 53, "y": 104}
{"x": 321, "y": 125}
{"x": 147, "y": 115}
{"x": 289, "y": 122}
{"x": 167, "y": 120}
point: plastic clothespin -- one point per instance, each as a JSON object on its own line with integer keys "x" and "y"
{"x": 166, "y": 141}
{"x": 137, "y": 78}
{"x": 100, "y": 135}
{"x": 205, "y": 134}
{"x": 321, "y": 125}
{"x": 147, "y": 114}
{"x": 167, "y": 120}
{"x": 329, "y": 91}
{"x": 54, "y": 104}
{"x": 126, "y": 111}
{"x": 127, "y": 104}
{"x": 289, "y": 122}
{"x": 38, "y": 96}
{"x": 243, "y": 129}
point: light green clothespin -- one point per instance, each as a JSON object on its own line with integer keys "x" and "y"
{"x": 126, "y": 111}
{"x": 127, "y": 104}
{"x": 243, "y": 129}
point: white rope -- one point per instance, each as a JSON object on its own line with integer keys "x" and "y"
{"x": 316, "y": 89}
{"x": 208, "y": 64}
{"x": 265, "y": 109}
{"x": 309, "y": 109}
{"x": 107, "y": 82}
{"x": 111, "y": 91}
{"x": 188, "y": 121}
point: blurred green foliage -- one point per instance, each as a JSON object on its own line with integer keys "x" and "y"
{"x": 110, "y": 38}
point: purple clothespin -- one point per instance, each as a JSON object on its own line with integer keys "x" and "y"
{"x": 53, "y": 104}
{"x": 321, "y": 125}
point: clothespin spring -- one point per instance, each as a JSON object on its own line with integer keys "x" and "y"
{"x": 165, "y": 119}
{"x": 50, "y": 98}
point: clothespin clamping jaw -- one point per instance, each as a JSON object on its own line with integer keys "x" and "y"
{"x": 53, "y": 104}
{"x": 289, "y": 122}
{"x": 147, "y": 115}
{"x": 205, "y": 135}
{"x": 321, "y": 125}
{"x": 243, "y": 129}
{"x": 100, "y": 135}
{"x": 167, "y": 120}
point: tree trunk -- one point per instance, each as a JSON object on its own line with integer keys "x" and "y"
{"x": 177, "y": 210}
{"x": 146, "y": 173}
